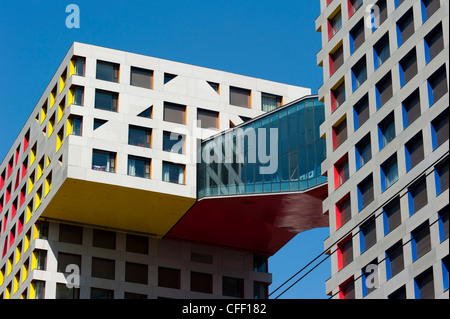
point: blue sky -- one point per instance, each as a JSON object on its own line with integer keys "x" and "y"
{"x": 274, "y": 40}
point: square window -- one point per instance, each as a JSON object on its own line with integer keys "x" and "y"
{"x": 175, "y": 113}
{"x": 269, "y": 102}
{"x": 405, "y": 27}
{"x": 417, "y": 196}
{"x": 424, "y": 285}
{"x": 174, "y": 142}
{"x": 339, "y": 133}
{"x": 408, "y": 67}
{"x": 414, "y": 151}
{"x": 66, "y": 259}
{"x": 63, "y": 292}
{"x": 394, "y": 260}
{"x": 345, "y": 253}
{"x": 139, "y": 136}
{"x": 77, "y": 66}
{"x": 400, "y": 294}
{"x": 341, "y": 172}
{"x": 354, "y": 5}
{"x": 240, "y": 97}
{"x": 139, "y": 166}
{"x": 386, "y": 131}
{"x": 389, "y": 172}
{"x": 383, "y": 12}
{"x": 108, "y": 71}
{"x": 368, "y": 234}
{"x": 104, "y": 161}
{"x": 201, "y": 282}
{"x": 336, "y": 59}
{"x": 334, "y": 24}
{"x": 232, "y": 287}
{"x": 357, "y": 37}
{"x": 76, "y": 95}
{"x": 383, "y": 90}
{"x": 347, "y": 289}
{"x": 434, "y": 43}
{"x": 97, "y": 293}
{"x": 365, "y": 192}
{"x": 136, "y": 273}
{"x": 103, "y": 268}
{"x": 137, "y": 244}
{"x": 429, "y": 7}
{"x": 392, "y": 216}
{"x": 359, "y": 73}
{"x": 141, "y": 78}
{"x": 440, "y": 129}
{"x": 437, "y": 85}
{"x": 343, "y": 211}
{"x": 441, "y": 177}
{"x": 208, "y": 119}
{"x": 70, "y": 234}
{"x": 338, "y": 96}
{"x": 105, "y": 100}
{"x": 445, "y": 272}
{"x": 169, "y": 278}
{"x": 411, "y": 109}
{"x": 443, "y": 223}
{"x": 174, "y": 173}
{"x": 75, "y": 125}
{"x": 104, "y": 239}
{"x": 260, "y": 290}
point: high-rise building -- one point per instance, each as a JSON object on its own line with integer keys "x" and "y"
{"x": 105, "y": 181}
{"x": 386, "y": 78}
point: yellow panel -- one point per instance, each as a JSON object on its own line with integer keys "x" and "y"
{"x": 2, "y": 277}
{"x": 72, "y": 67}
{"x": 32, "y": 290}
{"x": 24, "y": 272}
{"x": 69, "y": 126}
{"x": 16, "y": 284}
{"x": 120, "y": 208}
{"x": 18, "y": 254}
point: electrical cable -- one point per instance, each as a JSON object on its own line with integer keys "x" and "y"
{"x": 356, "y": 226}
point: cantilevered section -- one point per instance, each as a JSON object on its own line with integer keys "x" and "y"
{"x": 240, "y": 205}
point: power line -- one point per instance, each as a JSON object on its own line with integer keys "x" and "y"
{"x": 403, "y": 245}
{"x": 358, "y": 225}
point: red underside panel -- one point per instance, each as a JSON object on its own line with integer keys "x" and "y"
{"x": 258, "y": 223}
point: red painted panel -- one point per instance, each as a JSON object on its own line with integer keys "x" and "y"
{"x": 257, "y": 223}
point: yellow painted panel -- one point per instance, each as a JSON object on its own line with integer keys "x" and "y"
{"x": 18, "y": 254}
{"x": 72, "y": 67}
{"x": 38, "y": 199}
{"x": 62, "y": 83}
{"x": 69, "y": 126}
{"x": 40, "y": 169}
{"x": 48, "y": 185}
{"x": 32, "y": 290}
{"x": 24, "y": 272}
{"x": 30, "y": 183}
{"x": 10, "y": 265}
{"x": 51, "y": 126}
{"x": 2, "y": 277}
{"x": 32, "y": 156}
{"x": 61, "y": 111}
{"x": 71, "y": 96}
{"x": 52, "y": 98}
{"x": 33, "y": 261}
{"x": 16, "y": 284}
{"x": 26, "y": 243}
{"x": 43, "y": 113}
{"x": 121, "y": 208}
{"x": 8, "y": 293}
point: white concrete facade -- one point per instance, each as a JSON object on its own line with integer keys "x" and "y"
{"x": 65, "y": 155}
{"x": 437, "y": 202}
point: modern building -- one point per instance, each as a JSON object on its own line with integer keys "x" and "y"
{"x": 386, "y": 78}
{"x": 104, "y": 181}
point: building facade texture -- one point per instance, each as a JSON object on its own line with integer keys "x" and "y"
{"x": 386, "y": 79}
{"x": 106, "y": 166}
